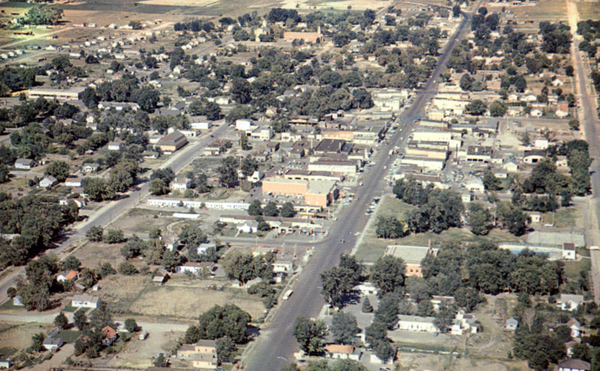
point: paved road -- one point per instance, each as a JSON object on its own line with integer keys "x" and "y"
{"x": 591, "y": 127}
{"x": 114, "y": 209}
{"x": 275, "y": 346}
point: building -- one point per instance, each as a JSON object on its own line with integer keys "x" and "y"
{"x": 216, "y": 148}
{"x": 48, "y": 181}
{"x": 24, "y": 164}
{"x": 161, "y": 276}
{"x": 203, "y": 354}
{"x": 309, "y": 37}
{"x": 110, "y": 335}
{"x": 569, "y": 302}
{"x": 114, "y": 146}
{"x": 52, "y": 342}
{"x": 534, "y": 156}
{"x": 569, "y": 251}
{"x": 91, "y": 167}
{"x": 562, "y": 111}
{"x": 511, "y": 325}
{"x": 339, "y": 351}
{"x": 195, "y": 268}
{"x": 475, "y": 185}
{"x": 70, "y": 275}
{"x": 171, "y": 243}
{"x": 180, "y": 184}
{"x": 344, "y": 167}
{"x": 283, "y": 266}
{"x": 85, "y": 301}
{"x": 571, "y": 364}
{"x": 482, "y": 154}
{"x": 284, "y": 186}
{"x": 412, "y": 256}
{"x": 172, "y": 142}
{"x": 418, "y": 324}
{"x": 5, "y": 363}
{"x": 200, "y": 125}
{"x": 74, "y": 93}
{"x": 73, "y": 181}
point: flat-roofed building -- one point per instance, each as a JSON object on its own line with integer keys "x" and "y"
{"x": 439, "y": 154}
{"x": 479, "y": 154}
{"x": 309, "y": 37}
{"x": 344, "y": 167}
{"x": 321, "y": 193}
{"x": 412, "y": 256}
{"x": 284, "y": 186}
{"x": 418, "y": 324}
{"x": 74, "y": 93}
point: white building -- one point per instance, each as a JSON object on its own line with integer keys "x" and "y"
{"x": 85, "y": 301}
{"x": 415, "y": 323}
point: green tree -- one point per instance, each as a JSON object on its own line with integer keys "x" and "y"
{"x": 479, "y": 219}
{"x": 95, "y": 233}
{"x": 240, "y": 267}
{"x": 41, "y": 14}
{"x": 574, "y": 124}
{"x": 4, "y": 173}
{"x": 344, "y": 328}
{"x": 389, "y": 228}
{"x": 226, "y": 349}
{"x": 80, "y": 319}
{"x": 61, "y": 320}
{"x": 131, "y": 325}
{"x": 310, "y": 334}
{"x": 490, "y": 182}
{"x": 114, "y": 236}
{"x": 255, "y": 208}
{"x": 58, "y": 169}
{"x": 477, "y": 107}
{"x": 384, "y": 350}
{"x": 228, "y": 320}
{"x": 127, "y": 269}
{"x": 387, "y": 274}
{"x": 158, "y": 187}
{"x": 38, "y": 342}
{"x": 271, "y": 209}
{"x": 71, "y": 263}
{"x": 160, "y": 361}
{"x": 498, "y": 109}
{"x": 287, "y": 210}
{"x": 388, "y": 310}
{"x": 228, "y": 175}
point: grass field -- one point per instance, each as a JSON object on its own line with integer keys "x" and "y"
{"x": 572, "y": 268}
{"x": 564, "y": 218}
{"x": 588, "y": 10}
{"x": 69, "y": 336}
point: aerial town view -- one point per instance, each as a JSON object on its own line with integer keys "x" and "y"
{"x": 317, "y": 185}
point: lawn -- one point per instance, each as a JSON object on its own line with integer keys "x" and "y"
{"x": 7, "y": 352}
{"x": 9, "y": 305}
{"x": 572, "y": 268}
{"x": 588, "y": 10}
{"x": 69, "y": 336}
{"x": 564, "y": 218}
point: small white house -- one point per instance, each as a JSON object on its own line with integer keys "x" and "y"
{"x": 243, "y": 125}
{"x": 283, "y": 266}
{"x": 511, "y": 324}
{"x": 73, "y": 182}
{"x": 171, "y": 242}
{"x": 569, "y": 302}
{"x": 91, "y": 167}
{"x": 248, "y": 227}
{"x": 200, "y": 125}
{"x": 114, "y": 146}
{"x": 180, "y": 184}
{"x": 48, "y": 182}
{"x": 85, "y": 301}
{"x": 475, "y": 185}
{"x": 24, "y": 164}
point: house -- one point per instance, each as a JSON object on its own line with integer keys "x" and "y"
{"x": 534, "y": 156}
{"x": 283, "y": 266}
{"x": 203, "y": 354}
{"x": 180, "y": 184}
{"x": 24, "y": 163}
{"x": 569, "y": 301}
{"x": 569, "y": 251}
{"x": 73, "y": 181}
{"x": 203, "y": 248}
{"x": 48, "y": 182}
{"x": 172, "y": 142}
{"x": 456, "y": 330}
{"x": 536, "y": 112}
{"x": 475, "y": 185}
{"x": 18, "y": 301}
{"x": 536, "y": 217}
{"x": 417, "y": 324}
{"x": 114, "y": 146}
{"x": 52, "y": 342}
{"x": 196, "y": 268}
{"x": 338, "y": 351}
{"x": 511, "y": 166}
{"x": 511, "y": 324}
{"x": 466, "y": 197}
{"x": 70, "y": 275}
{"x": 151, "y": 154}
{"x": 570, "y": 364}
{"x": 171, "y": 243}
{"x": 161, "y": 276}
{"x": 110, "y": 335}
{"x": 562, "y": 111}
{"x": 248, "y": 227}
{"x": 5, "y": 363}
{"x": 91, "y": 167}
{"x": 85, "y": 301}
{"x": 575, "y": 326}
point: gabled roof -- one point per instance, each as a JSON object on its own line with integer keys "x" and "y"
{"x": 109, "y": 332}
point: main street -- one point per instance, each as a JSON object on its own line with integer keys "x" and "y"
{"x": 591, "y": 127}
{"x": 275, "y": 346}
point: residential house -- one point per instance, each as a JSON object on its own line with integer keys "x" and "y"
{"x": 48, "y": 182}
{"x": 203, "y": 248}
{"x": 475, "y": 185}
{"x": 91, "y": 167}
{"x": 569, "y": 251}
{"x": 70, "y": 275}
{"x": 571, "y": 364}
{"x": 24, "y": 164}
{"x": 151, "y": 154}
{"x": 161, "y": 276}
{"x": 250, "y": 226}
{"x": 511, "y": 166}
{"x": 339, "y": 351}
{"x": 52, "y": 342}
{"x": 180, "y": 184}
{"x": 283, "y": 266}
{"x": 5, "y": 363}
{"x": 534, "y": 156}
{"x": 203, "y": 354}
{"x": 114, "y": 146}
{"x": 576, "y": 328}
{"x": 569, "y": 301}
{"x": 536, "y": 112}
{"x": 73, "y": 181}
{"x": 418, "y": 324}
{"x": 511, "y": 324}
{"x": 110, "y": 335}
{"x": 195, "y": 267}
{"x": 171, "y": 243}
{"x": 562, "y": 111}
{"x": 85, "y": 301}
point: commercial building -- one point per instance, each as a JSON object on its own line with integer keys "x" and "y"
{"x": 74, "y": 93}
{"x": 482, "y": 154}
{"x": 316, "y": 193}
{"x": 309, "y": 37}
{"x": 412, "y": 256}
{"x": 172, "y": 142}
{"x": 344, "y": 167}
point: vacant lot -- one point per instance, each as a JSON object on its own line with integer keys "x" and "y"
{"x": 16, "y": 335}
{"x": 178, "y": 298}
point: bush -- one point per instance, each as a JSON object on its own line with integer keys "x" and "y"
{"x": 115, "y": 236}
{"x": 127, "y": 269}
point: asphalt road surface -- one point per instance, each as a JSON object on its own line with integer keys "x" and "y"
{"x": 275, "y": 346}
